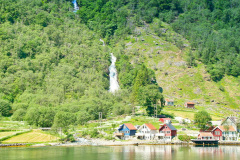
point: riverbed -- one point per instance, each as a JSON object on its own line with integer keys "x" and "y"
{"x": 166, "y": 152}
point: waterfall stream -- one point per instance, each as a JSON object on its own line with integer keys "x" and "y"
{"x": 75, "y": 5}
{"x": 114, "y": 86}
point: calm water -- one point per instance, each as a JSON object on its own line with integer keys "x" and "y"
{"x": 121, "y": 152}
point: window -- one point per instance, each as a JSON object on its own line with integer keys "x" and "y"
{"x": 217, "y": 133}
{"x": 168, "y": 132}
{"x": 166, "y": 127}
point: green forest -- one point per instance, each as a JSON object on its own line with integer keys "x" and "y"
{"x": 212, "y": 26}
{"x": 54, "y": 70}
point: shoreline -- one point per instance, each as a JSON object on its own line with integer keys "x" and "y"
{"x": 100, "y": 142}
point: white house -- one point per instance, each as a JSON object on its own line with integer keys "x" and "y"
{"x": 147, "y": 131}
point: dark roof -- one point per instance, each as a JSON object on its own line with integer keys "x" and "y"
{"x": 171, "y": 126}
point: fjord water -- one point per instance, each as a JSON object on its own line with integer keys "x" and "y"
{"x": 166, "y": 152}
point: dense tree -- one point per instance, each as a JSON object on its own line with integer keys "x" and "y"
{"x": 202, "y": 118}
{"x": 5, "y": 108}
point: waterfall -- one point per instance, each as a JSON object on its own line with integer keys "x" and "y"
{"x": 75, "y": 5}
{"x": 114, "y": 86}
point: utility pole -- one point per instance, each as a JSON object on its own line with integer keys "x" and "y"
{"x": 155, "y": 110}
{"x": 100, "y": 117}
{"x": 133, "y": 110}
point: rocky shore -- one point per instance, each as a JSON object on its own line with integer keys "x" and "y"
{"x": 102, "y": 142}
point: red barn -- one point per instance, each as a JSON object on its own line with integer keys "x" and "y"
{"x": 165, "y": 120}
{"x": 167, "y": 131}
{"x": 190, "y": 104}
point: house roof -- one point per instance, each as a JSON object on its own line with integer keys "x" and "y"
{"x": 150, "y": 126}
{"x": 130, "y": 126}
{"x": 208, "y": 129}
{"x": 205, "y": 134}
{"x": 231, "y": 128}
{"x": 170, "y": 126}
{"x": 231, "y": 118}
{"x": 168, "y": 100}
{"x": 190, "y": 102}
{"x": 164, "y": 119}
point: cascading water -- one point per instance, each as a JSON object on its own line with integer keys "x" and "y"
{"x": 114, "y": 86}
{"x": 75, "y": 5}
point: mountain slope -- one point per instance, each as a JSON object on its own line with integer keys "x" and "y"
{"x": 177, "y": 80}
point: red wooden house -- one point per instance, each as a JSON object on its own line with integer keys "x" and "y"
{"x": 190, "y": 104}
{"x": 165, "y": 120}
{"x": 167, "y": 132}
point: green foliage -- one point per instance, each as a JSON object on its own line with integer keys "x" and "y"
{"x": 114, "y": 17}
{"x": 221, "y": 88}
{"x": 185, "y": 138}
{"x": 19, "y": 115}
{"x": 5, "y": 108}
{"x": 69, "y": 138}
{"x": 202, "y": 118}
{"x": 110, "y": 137}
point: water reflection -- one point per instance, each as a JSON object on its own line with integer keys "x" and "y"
{"x": 166, "y": 152}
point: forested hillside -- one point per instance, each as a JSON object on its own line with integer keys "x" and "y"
{"x": 212, "y": 26}
{"x": 54, "y": 69}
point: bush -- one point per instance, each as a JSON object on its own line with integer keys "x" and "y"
{"x": 69, "y": 138}
{"x": 221, "y": 88}
{"x": 93, "y": 134}
{"x": 19, "y": 114}
{"x": 109, "y": 137}
{"x": 184, "y": 138}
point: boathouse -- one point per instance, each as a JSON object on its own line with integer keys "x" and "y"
{"x": 205, "y": 136}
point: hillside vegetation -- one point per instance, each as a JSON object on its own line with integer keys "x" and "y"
{"x": 54, "y": 70}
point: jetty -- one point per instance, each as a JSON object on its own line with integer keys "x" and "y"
{"x": 205, "y": 142}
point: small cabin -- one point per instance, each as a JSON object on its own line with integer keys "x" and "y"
{"x": 169, "y": 102}
{"x": 167, "y": 132}
{"x": 165, "y": 120}
{"x": 126, "y": 130}
{"x": 190, "y": 105}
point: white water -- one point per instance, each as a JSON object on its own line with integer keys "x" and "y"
{"x": 114, "y": 86}
{"x": 75, "y": 5}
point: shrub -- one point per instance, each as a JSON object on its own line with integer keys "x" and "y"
{"x": 184, "y": 138}
{"x": 69, "y": 138}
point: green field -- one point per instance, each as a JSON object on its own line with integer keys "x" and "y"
{"x": 32, "y": 137}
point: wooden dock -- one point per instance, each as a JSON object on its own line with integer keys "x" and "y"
{"x": 205, "y": 142}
